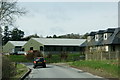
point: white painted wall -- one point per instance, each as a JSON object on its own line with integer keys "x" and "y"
{"x": 106, "y": 48}
{"x": 89, "y": 38}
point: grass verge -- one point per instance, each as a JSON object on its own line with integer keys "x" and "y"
{"x": 21, "y": 70}
{"x": 107, "y": 68}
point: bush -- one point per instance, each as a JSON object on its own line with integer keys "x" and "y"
{"x": 33, "y": 54}
{"x": 49, "y": 55}
{"x": 8, "y": 68}
{"x": 64, "y": 55}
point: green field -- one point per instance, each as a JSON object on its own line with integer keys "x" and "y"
{"x": 107, "y": 68}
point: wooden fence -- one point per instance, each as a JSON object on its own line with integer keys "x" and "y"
{"x": 102, "y": 55}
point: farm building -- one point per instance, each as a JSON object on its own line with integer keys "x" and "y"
{"x": 13, "y": 46}
{"x": 54, "y": 45}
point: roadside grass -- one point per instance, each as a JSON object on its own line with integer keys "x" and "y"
{"x": 106, "y": 68}
{"x": 21, "y": 70}
{"x": 18, "y": 58}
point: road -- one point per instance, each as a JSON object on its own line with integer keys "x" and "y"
{"x": 55, "y": 71}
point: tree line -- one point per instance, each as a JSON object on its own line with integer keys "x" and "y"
{"x": 14, "y": 35}
{"x": 71, "y": 36}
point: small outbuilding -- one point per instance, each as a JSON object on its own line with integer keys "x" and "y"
{"x": 13, "y": 46}
{"x": 54, "y": 45}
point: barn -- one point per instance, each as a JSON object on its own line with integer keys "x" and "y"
{"x": 54, "y": 45}
{"x": 13, "y": 46}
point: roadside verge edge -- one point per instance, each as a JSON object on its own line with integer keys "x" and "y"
{"x": 26, "y": 74}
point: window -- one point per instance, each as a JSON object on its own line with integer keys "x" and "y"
{"x": 64, "y": 48}
{"x": 96, "y": 37}
{"x": 74, "y": 48}
{"x": 23, "y": 49}
{"x": 18, "y": 46}
{"x": 54, "y": 48}
{"x": 31, "y": 48}
{"x": 105, "y": 36}
{"x": 67, "y": 49}
{"x": 41, "y": 48}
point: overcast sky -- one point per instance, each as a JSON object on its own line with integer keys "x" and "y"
{"x": 49, "y": 18}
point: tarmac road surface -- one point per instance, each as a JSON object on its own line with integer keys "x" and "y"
{"x": 56, "y": 72}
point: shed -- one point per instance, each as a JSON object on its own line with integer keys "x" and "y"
{"x": 13, "y": 46}
{"x": 54, "y": 45}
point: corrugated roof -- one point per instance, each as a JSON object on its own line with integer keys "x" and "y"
{"x": 18, "y": 43}
{"x": 60, "y": 41}
{"x": 84, "y": 44}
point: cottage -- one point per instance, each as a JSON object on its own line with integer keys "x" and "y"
{"x": 54, "y": 45}
{"x": 13, "y": 46}
{"x": 103, "y": 43}
{"x": 111, "y": 40}
{"x": 105, "y": 40}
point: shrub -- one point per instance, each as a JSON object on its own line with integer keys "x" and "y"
{"x": 29, "y": 56}
{"x": 33, "y": 54}
{"x": 49, "y": 55}
{"x": 8, "y": 68}
{"x": 64, "y": 55}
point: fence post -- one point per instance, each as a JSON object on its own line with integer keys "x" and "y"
{"x": 109, "y": 55}
{"x": 117, "y": 55}
{"x": 86, "y": 56}
{"x": 101, "y": 56}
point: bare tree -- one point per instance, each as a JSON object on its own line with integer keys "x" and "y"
{"x": 9, "y": 10}
{"x": 0, "y": 39}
